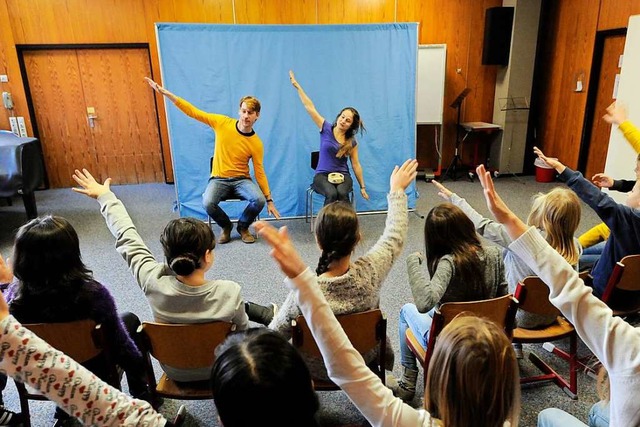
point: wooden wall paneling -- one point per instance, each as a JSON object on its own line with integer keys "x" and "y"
{"x": 275, "y": 12}
{"x": 600, "y": 130}
{"x": 126, "y": 130}
{"x": 567, "y": 56}
{"x": 355, "y": 11}
{"x": 77, "y": 21}
{"x": 57, "y": 95}
{"x": 10, "y": 66}
{"x": 615, "y": 13}
{"x": 211, "y": 11}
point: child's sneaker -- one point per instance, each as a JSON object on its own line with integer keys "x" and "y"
{"x": 9, "y": 418}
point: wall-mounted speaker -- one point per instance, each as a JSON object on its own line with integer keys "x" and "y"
{"x": 498, "y": 24}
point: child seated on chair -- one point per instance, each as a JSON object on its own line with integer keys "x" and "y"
{"x": 555, "y": 214}
{"x": 53, "y": 285}
{"x": 455, "y": 395}
{"x": 612, "y": 340}
{"x": 177, "y": 291}
{"x": 622, "y": 219}
{"x": 354, "y": 286}
{"x": 459, "y": 269}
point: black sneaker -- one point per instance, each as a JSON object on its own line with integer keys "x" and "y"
{"x": 9, "y": 418}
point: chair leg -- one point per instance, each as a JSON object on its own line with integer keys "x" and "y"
{"x": 549, "y": 375}
{"x": 24, "y": 404}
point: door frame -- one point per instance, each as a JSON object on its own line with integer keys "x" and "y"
{"x": 592, "y": 93}
{"x": 21, "y": 48}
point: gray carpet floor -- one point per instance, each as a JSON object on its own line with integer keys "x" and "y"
{"x": 151, "y": 206}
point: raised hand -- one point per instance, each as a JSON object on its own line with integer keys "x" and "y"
{"x": 88, "y": 184}
{"x": 158, "y": 88}
{"x": 6, "y": 273}
{"x": 615, "y": 114}
{"x": 514, "y": 225}
{"x": 283, "y": 251}
{"x": 293, "y": 80}
{"x": 403, "y": 176}
{"x": 551, "y": 161}
{"x": 601, "y": 180}
{"x": 443, "y": 191}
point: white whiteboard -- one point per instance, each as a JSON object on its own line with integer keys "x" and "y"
{"x": 430, "y": 73}
{"x": 620, "y": 156}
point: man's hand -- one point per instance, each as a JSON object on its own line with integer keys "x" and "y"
{"x": 272, "y": 211}
{"x": 551, "y": 161}
{"x": 601, "y": 180}
{"x": 159, "y": 88}
{"x": 615, "y": 114}
{"x": 6, "y": 273}
{"x": 89, "y": 186}
{"x": 283, "y": 252}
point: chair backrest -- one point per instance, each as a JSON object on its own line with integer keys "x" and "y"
{"x": 500, "y": 310}
{"x": 82, "y": 340}
{"x": 315, "y": 158}
{"x": 183, "y": 346}
{"x": 533, "y": 297}
{"x": 622, "y": 292}
{"x": 365, "y": 330}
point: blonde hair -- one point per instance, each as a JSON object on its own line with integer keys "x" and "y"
{"x": 473, "y": 376}
{"x": 557, "y": 213}
{"x": 252, "y": 103}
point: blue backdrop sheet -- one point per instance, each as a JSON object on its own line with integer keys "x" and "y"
{"x": 370, "y": 67}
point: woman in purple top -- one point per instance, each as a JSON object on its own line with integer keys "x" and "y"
{"x": 337, "y": 144}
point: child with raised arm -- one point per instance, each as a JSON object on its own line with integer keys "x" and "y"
{"x": 555, "y": 215}
{"x": 622, "y": 220}
{"x": 353, "y": 286}
{"x": 465, "y": 347}
{"x": 613, "y": 341}
{"x": 177, "y": 291}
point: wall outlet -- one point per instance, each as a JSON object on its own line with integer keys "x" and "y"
{"x": 22, "y": 127}
{"x": 4, "y": 78}
{"x": 14, "y": 125}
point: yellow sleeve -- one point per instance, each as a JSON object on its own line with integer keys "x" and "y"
{"x": 632, "y": 134}
{"x": 195, "y": 113}
{"x": 257, "y": 156}
{"x": 595, "y": 235}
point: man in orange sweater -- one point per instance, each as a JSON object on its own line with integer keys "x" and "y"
{"x": 236, "y": 144}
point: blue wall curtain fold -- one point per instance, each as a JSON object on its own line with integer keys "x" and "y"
{"x": 369, "y": 67}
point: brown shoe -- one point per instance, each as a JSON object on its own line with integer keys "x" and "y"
{"x": 225, "y": 236}
{"x": 246, "y": 236}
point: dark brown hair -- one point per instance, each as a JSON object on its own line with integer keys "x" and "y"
{"x": 185, "y": 242}
{"x": 448, "y": 231}
{"x": 356, "y": 127}
{"x": 337, "y": 232}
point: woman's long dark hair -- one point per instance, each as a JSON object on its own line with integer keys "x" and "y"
{"x": 260, "y": 378}
{"x": 337, "y": 233}
{"x": 185, "y": 242}
{"x": 448, "y": 231}
{"x": 47, "y": 260}
{"x": 356, "y": 127}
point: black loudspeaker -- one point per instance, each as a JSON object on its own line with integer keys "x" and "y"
{"x": 498, "y": 24}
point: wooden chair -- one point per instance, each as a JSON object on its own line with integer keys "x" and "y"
{"x": 181, "y": 346}
{"x": 622, "y": 293}
{"x": 500, "y": 310}
{"x": 82, "y": 340}
{"x": 533, "y": 297}
{"x": 366, "y": 331}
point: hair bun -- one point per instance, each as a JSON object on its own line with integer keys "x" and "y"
{"x": 184, "y": 265}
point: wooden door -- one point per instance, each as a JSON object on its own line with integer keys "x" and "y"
{"x": 68, "y": 86}
{"x": 600, "y": 130}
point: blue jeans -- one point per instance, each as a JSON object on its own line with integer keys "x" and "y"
{"x": 220, "y": 189}
{"x": 420, "y": 324}
{"x": 590, "y": 255}
{"x": 332, "y": 192}
{"x": 553, "y": 417}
